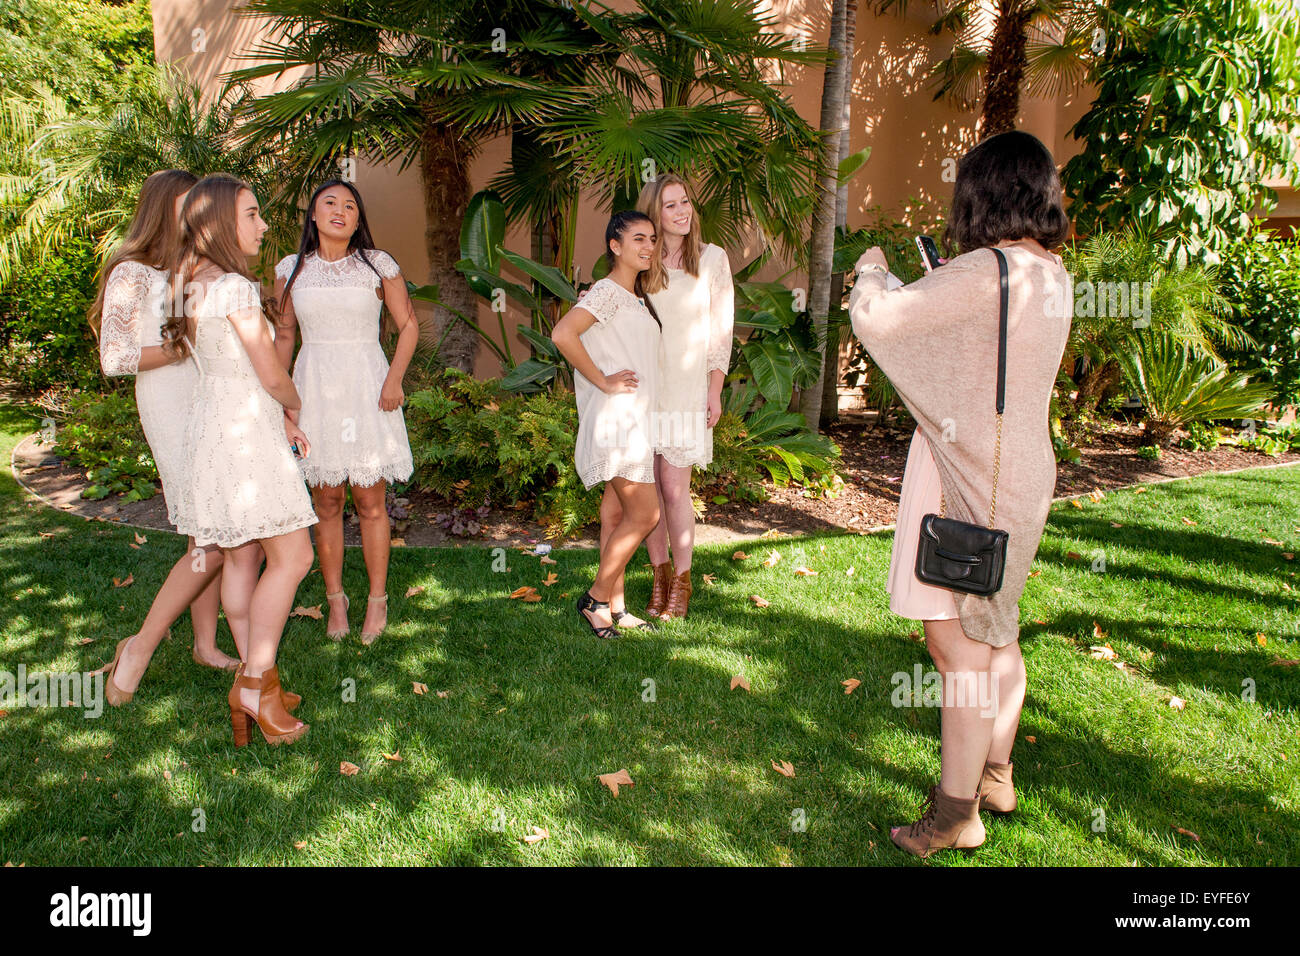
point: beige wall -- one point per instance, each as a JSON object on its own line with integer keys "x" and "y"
{"x": 893, "y": 111}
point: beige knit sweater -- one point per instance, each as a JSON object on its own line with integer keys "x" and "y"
{"x": 937, "y": 342}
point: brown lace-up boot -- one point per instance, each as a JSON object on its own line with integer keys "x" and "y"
{"x": 679, "y": 596}
{"x": 663, "y": 575}
{"x": 946, "y": 822}
{"x": 996, "y": 792}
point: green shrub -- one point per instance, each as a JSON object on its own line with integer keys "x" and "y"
{"x": 45, "y": 340}
{"x": 102, "y": 434}
{"x": 1200, "y": 437}
{"x": 1178, "y": 387}
{"x": 1149, "y": 452}
{"x": 1260, "y": 277}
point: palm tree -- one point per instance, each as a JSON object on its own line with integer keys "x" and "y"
{"x": 85, "y": 169}
{"x": 1039, "y": 46}
{"x": 575, "y": 87}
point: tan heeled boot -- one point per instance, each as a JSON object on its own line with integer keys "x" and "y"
{"x": 663, "y": 575}
{"x": 996, "y": 792}
{"x": 947, "y": 822}
{"x": 271, "y": 718}
{"x": 679, "y": 596}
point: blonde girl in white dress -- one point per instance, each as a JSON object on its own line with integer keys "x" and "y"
{"x": 127, "y": 315}
{"x": 690, "y": 284}
{"x": 334, "y": 291}
{"x": 611, "y": 338}
{"x": 244, "y": 492}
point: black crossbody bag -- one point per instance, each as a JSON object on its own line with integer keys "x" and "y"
{"x": 954, "y": 554}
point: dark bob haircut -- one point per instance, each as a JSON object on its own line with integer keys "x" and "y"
{"x": 1007, "y": 188}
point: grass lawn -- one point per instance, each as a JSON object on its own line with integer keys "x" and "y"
{"x": 535, "y": 708}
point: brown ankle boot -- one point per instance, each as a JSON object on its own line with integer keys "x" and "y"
{"x": 947, "y": 822}
{"x": 663, "y": 575}
{"x": 996, "y": 792}
{"x": 679, "y": 596}
{"x": 270, "y": 716}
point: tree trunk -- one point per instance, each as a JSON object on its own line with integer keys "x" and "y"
{"x": 823, "y": 217}
{"x": 445, "y": 175}
{"x": 831, "y": 366}
{"x": 1006, "y": 67}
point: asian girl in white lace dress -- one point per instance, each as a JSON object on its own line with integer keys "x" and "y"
{"x": 128, "y": 315}
{"x": 611, "y": 338}
{"x": 690, "y": 284}
{"x": 334, "y": 291}
{"x": 244, "y": 491}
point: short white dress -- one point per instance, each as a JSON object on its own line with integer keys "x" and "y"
{"x": 340, "y": 371}
{"x": 699, "y": 314}
{"x": 615, "y": 434}
{"x": 132, "y": 318}
{"x": 243, "y": 482}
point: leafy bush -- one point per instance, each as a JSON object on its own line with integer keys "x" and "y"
{"x": 472, "y": 440}
{"x": 1149, "y": 452}
{"x": 103, "y": 435}
{"x": 1260, "y": 277}
{"x": 45, "y": 340}
{"x": 1178, "y": 387}
{"x": 1200, "y": 437}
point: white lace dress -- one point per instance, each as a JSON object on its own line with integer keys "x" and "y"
{"x": 132, "y": 318}
{"x": 615, "y": 434}
{"x": 340, "y": 371}
{"x": 243, "y": 482}
{"x": 698, "y": 313}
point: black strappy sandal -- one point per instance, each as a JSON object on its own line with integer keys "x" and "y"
{"x": 643, "y": 626}
{"x": 589, "y": 603}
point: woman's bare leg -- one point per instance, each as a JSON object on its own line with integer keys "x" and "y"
{"x": 328, "y": 502}
{"x": 184, "y": 583}
{"x": 640, "y": 504}
{"x": 203, "y": 615}
{"x": 970, "y": 702}
{"x": 611, "y": 513}
{"x": 656, "y": 543}
{"x": 372, "y": 507}
{"x": 1009, "y": 667}
{"x": 678, "y": 512}
{"x": 238, "y": 579}
{"x": 288, "y": 559}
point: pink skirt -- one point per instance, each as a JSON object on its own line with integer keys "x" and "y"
{"x": 909, "y": 597}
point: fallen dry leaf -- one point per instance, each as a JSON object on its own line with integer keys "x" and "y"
{"x": 1177, "y": 703}
{"x": 1189, "y": 521}
{"x": 526, "y": 593}
{"x": 86, "y": 640}
{"x": 1261, "y": 640}
{"x": 1279, "y": 662}
{"x": 805, "y": 572}
{"x": 1188, "y": 833}
{"x": 616, "y": 779}
{"x": 134, "y": 545}
{"x": 1139, "y": 491}
{"x": 140, "y": 539}
{"x": 312, "y": 612}
{"x": 300, "y": 845}
{"x": 348, "y": 769}
{"x": 1096, "y": 494}
{"x": 442, "y": 693}
{"x": 849, "y": 572}
{"x": 772, "y": 560}
{"x": 851, "y": 685}
{"x": 1074, "y": 555}
{"x": 1103, "y": 653}
{"x": 395, "y": 756}
{"x": 548, "y": 560}
{"x": 1116, "y": 524}
{"x": 537, "y": 836}
{"x": 167, "y": 774}
{"x": 1289, "y": 555}
{"x": 413, "y": 590}
{"x": 709, "y": 580}
{"x": 1034, "y": 574}
{"x": 419, "y": 688}
{"x": 1272, "y": 541}
{"x": 739, "y": 681}
{"x": 1032, "y": 739}
{"x": 739, "y": 556}
{"x": 758, "y": 601}
{"x": 550, "y": 579}
{"x": 785, "y": 768}
{"x": 126, "y": 583}
{"x": 772, "y": 533}
{"x": 1074, "y": 502}
{"x": 1097, "y": 632}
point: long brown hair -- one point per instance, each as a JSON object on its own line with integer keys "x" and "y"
{"x": 650, "y": 202}
{"x": 152, "y": 236}
{"x": 208, "y": 231}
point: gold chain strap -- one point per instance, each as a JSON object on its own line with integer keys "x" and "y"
{"x": 997, "y": 469}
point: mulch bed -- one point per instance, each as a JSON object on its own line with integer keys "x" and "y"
{"x": 873, "y": 460}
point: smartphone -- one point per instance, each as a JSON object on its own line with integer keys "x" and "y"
{"x": 297, "y": 452}
{"x": 929, "y": 252}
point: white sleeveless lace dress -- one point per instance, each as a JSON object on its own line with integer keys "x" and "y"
{"x": 340, "y": 371}
{"x": 615, "y": 433}
{"x": 134, "y": 297}
{"x": 243, "y": 481}
{"x": 698, "y": 313}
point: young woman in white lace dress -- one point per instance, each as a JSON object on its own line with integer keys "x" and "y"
{"x": 243, "y": 490}
{"x": 334, "y": 290}
{"x": 127, "y": 315}
{"x": 611, "y": 338}
{"x": 690, "y": 284}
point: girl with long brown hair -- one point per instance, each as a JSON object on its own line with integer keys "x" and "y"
{"x": 244, "y": 492}
{"x": 690, "y": 284}
{"x": 127, "y": 316}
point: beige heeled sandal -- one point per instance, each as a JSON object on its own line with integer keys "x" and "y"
{"x": 369, "y": 637}
{"x": 337, "y": 634}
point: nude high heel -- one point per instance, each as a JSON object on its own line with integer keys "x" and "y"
{"x": 275, "y": 723}
{"x": 112, "y": 693}
{"x": 369, "y": 637}
{"x": 336, "y": 634}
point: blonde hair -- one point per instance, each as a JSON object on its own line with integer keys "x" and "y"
{"x": 650, "y": 202}
{"x": 153, "y": 234}
{"x": 208, "y": 231}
